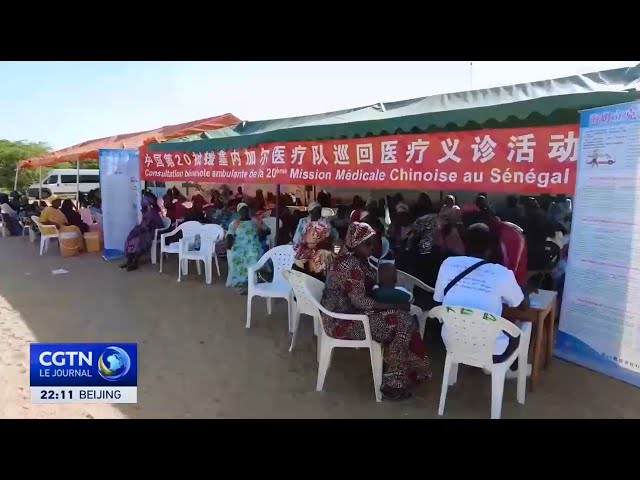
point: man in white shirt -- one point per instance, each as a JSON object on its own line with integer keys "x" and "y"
{"x": 485, "y": 287}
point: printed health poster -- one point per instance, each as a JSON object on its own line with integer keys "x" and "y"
{"x": 121, "y": 197}
{"x": 600, "y": 320}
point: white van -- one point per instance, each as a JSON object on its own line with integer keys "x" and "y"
{"x": 62, "y": 182}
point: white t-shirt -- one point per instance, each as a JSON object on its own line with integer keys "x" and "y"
{"x": 486, "y": 288}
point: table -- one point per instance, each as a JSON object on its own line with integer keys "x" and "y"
{"x": 542, "y": 314}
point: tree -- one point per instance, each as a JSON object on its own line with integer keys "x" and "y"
{"x": 10, "y": 154}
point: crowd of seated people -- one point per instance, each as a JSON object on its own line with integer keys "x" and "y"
{"x": 417, "y": 236}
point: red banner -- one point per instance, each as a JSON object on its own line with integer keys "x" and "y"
{"x": 520, "y": 160}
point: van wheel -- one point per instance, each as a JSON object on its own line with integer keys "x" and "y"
{"x": 45, "y": 194}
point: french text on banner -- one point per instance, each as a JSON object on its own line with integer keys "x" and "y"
{"x": 528, "y": 160}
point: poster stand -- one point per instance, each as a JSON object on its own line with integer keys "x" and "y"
{"x": 121, "y": 198}
{"x": 600, "y": 323}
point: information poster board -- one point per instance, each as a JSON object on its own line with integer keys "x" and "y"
{"x": 600, "y": 320}
{"x": 121, "y": 197}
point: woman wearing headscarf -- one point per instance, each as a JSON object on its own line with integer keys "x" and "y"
{"x": 243, "y": 247}
{"x": 350, "y": 280}
{"x": 73, "y": 217}
{"x": 140, "y": 237}
{"x": 400, "y": 225}
{"x": 449, "y": 207}
{"x": 315, "y": 216}
{"x": 313, "y": 243}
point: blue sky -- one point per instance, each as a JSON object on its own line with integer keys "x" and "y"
{"x": 64, "y": 103}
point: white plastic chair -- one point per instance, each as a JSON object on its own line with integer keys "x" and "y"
{"x": 327, "y": 343}
{"x": 271, "y": 223}
{"x": 188, "y": 229}
{"x": 327, "y": 212}
{"x": 282, "y": 258}
{"x": 209, "y": 235}
{"x": 410, "y": 282}
{"x": 97, "y": 217}
{"x": 166, "y": 222}
{"x": 26, "y": 230}
{"x": 471, "y": 337}
{"x": 47, "y": 232}
{"x": 301, "y": 304}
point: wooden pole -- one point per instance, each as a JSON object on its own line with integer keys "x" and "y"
{"x": 15, "y": 182}
{"x": 40, "y": 184}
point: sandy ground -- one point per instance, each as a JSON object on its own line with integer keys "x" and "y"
{"x": 196, "y": 359}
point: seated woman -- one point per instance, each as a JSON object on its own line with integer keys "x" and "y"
{"x": 314, "y": 250}
{"x": 243, "y": 247}
{"x": 350, "y": 281}
{"x": 140, "y": 237}
{"x": 73, "y": 217}
{"x": 9, "y": 215}
{"x": 53, "y": 216}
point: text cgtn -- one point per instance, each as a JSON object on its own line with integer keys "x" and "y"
{"x": 59, "y": 359}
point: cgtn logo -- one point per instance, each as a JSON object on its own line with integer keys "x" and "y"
{"x": 85, "y": 371}
{"x": 113, "y": 363}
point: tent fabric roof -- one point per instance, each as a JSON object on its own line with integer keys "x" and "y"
{"x": 89, "y": 149}
{"x": 546, "y": 102}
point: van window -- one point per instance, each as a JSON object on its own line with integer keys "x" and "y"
{"x": 50, "y": 180}
{"x": 68, "y": 178}
{"x": 89, "y": 178}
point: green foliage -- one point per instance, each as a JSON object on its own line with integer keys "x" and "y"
{"x": 10, "y": 154}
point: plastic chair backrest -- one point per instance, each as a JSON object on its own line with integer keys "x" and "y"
{"x": 314, "y": 289}
{"x": 98, "y": 218}
{"x": 282, "y": 258}
{"x": 189, "y": 229}
{"x": 271, "y": 223}
{"x": 44, "y": 229}
{"x": 327, "y": 212}
{"x": 296, "y": 281}
{"x": 210, "y": 234}
{"x": 471, "y": 333}
{"x": 410, "y": 282}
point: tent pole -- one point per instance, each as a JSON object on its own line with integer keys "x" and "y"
{"x": 15, "y": 182}
{"x": 78, "y": 183}
{"x": 40, "y": 184}
{"x": 277, "y": 213}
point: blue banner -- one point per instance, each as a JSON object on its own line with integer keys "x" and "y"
{"x": 83, "y": 364}
{"x": 120, "y": 190}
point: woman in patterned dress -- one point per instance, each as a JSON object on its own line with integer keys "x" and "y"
{"x": 243, "y": 247}
{"x": 350, "y": 280}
